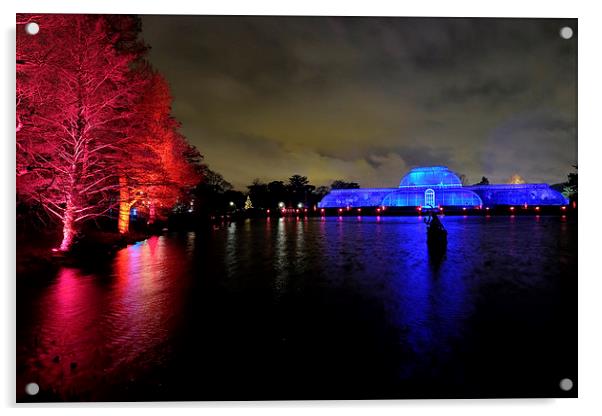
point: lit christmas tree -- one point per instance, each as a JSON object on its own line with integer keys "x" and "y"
{"x": 248, "y": 203}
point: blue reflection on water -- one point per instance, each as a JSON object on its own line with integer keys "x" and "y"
{"x": 353, "y": 300}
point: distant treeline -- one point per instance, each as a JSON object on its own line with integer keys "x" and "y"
{"x": 215, "y": 194}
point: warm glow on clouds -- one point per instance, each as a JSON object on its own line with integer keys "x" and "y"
{"x": 365, "y": 99}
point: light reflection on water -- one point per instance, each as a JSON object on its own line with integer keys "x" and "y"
{"x": 90, "y": 324}
{"x": 347, "y": 297}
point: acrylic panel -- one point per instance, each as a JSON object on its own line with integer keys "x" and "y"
{"x": 287, "y": 207}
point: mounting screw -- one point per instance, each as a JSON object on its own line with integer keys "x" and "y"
{"x": 566, "y": 384}
{"x": 32, "y": 28}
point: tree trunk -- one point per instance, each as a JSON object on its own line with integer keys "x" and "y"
{"x": 68, "y": 227}
{"x": 123, "y": 220}
{"x": 152, "y": 213}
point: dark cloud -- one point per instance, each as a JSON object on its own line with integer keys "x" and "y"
{"x": 542, "y": 138}
{"x": 413, "y": 155}
{"x": 364, "y": 99}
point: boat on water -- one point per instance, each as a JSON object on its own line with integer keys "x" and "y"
{"x": 436, "y": 238}
{"x": 436, "y": 234}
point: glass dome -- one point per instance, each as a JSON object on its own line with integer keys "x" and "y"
{"x": 438, "y": 176}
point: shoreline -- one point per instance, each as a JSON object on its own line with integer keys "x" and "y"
{"x": 41, "y": 260}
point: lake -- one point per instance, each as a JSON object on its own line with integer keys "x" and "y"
{"x": 331, "y": 308}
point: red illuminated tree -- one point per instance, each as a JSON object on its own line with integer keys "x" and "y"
{"x": 161, "y": 164}
{"x": 94, "y": 129}
{"x": 76, "y": 96}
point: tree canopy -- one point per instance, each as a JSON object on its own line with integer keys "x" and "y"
{"x": 93, "y": 121}
{"x": 339, "y": 184}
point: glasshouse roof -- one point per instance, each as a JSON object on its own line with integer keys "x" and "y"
{"x": 430, "y": 176}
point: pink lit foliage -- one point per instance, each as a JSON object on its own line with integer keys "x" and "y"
{"x": 160, "y": 145}
{"x": 80, "y": 116}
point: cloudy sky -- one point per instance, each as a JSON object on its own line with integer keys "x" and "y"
{"x": 365, "y": 99}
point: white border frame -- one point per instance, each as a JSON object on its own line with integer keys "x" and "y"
{"x": 590, "y": 283}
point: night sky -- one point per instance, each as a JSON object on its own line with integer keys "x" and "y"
{"x": 365, "y": 99}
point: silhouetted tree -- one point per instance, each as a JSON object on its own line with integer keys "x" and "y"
{"x": 339, "y": 184}
{"x": 298, "y": 182}
{"x": 278, "y": 192}
{"x": 321, "y": 191}
{"x": 215, "y": 181}
{"x": 570, "y": 187}
{"x": 484, "y": 181}
{"x": 298, "y": 187}
{"x": 317, "y": 195}
{"x": 258, "y": 191}
{"x": 213, "y": 194}
{"x": 237, "y": 197}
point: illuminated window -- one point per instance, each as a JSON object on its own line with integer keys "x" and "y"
{"x": 429, "y": 198}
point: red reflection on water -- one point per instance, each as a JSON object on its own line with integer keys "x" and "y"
{"x": 63, "y": 329}
{"x": 94, "y": 325}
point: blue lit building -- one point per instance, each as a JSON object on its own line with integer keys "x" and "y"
{"x": 437, "y": 186}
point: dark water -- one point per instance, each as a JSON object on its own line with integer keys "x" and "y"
{"x": 309, "y": 309}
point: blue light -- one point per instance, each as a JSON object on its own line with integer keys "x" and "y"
{"x": 431, "y": 176}
{"x": 523, "y": 194}
{"x": 134, "y": 212}
{"x": 439, "y": 186}
{"x": 343, "y": 198}
{"x": 431, "y": 198}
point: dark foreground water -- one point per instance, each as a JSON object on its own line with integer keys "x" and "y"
{"x": 307, "y": 309}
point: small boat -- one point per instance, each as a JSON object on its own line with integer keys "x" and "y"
{"x": 436, "y": 234}
{"x": 436, "y": 238}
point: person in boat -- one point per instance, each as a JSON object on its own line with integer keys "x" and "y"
{"x": 435, "y": 222}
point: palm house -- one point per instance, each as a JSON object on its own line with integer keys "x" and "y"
{"x": 438, "y": 186}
